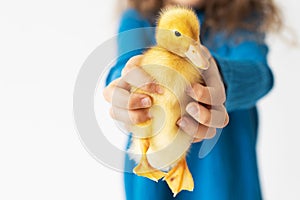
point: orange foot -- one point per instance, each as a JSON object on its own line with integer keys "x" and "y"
{"x": 180, "y": 178}
{"x": 146, "y": 170}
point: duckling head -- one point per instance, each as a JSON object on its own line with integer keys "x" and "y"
{"x": 178, "y": 31}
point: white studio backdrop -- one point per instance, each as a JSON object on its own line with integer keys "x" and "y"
{"x": 43, "y": 45}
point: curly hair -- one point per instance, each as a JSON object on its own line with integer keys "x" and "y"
{"x": 261, "y": 15}
{"x": 229, "y": 15}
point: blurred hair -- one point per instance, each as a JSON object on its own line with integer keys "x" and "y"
{"x": 151, "y": 14}
{"x": 229, "y": 15}
{"x": 261, "y": 15}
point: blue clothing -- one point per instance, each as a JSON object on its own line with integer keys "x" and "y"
{"x": 229, "y": 171}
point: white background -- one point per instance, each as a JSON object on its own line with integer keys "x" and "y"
{"x": 42, "y": 47}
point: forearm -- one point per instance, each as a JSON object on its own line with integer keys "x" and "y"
{"x": 245, "y": 81}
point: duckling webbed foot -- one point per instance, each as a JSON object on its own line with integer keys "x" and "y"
{"x": 180, "y": 178}
{"x": 146, "y": 170}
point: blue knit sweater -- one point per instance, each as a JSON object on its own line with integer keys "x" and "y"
{"x": 229, "y": 171}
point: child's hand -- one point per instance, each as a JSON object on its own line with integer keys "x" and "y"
{"x": 207, "y": 112}
{"x": 127, "y": 107}
{"x": 133, "y": 108}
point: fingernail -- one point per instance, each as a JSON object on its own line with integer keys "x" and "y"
{"x": 192, "y": 109}
{"x": 182, "y": 123}
{"x": 146, "y": 102}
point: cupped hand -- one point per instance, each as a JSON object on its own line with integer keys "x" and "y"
{"x": 127, "y": 107}
{"x": 207, "y": 112}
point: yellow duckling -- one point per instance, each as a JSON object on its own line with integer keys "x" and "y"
{"x": 158, "y": 145}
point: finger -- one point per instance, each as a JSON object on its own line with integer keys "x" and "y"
{"x": 215, "y": 117}
{"x": 212, "y": 75}
{"x": 206, "y": 95}
{"x": 205, "y": 54}
{"x": 109, "y": 90}
{"x": 122, "y": 98}
{"x": 193, "y": 128}
{"x": 196, "y": 140}
{"x": 130, "y": 116}
{"x": 117, "y": 93}
{"x": 116, "y": 84}
{"x": 214, "y": 83}
{"x": 138, "y": 78}
{"x": 121, "y": 83}
{"x": 134, "y": 75}
{"x": 131, "y": 63}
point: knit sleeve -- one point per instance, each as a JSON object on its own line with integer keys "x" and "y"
{"x": 246, "y": 74}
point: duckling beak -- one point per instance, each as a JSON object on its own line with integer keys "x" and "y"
{"x": 197, "y": 56}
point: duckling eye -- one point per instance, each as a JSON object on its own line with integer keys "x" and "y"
{"x": 177, "y": 34}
